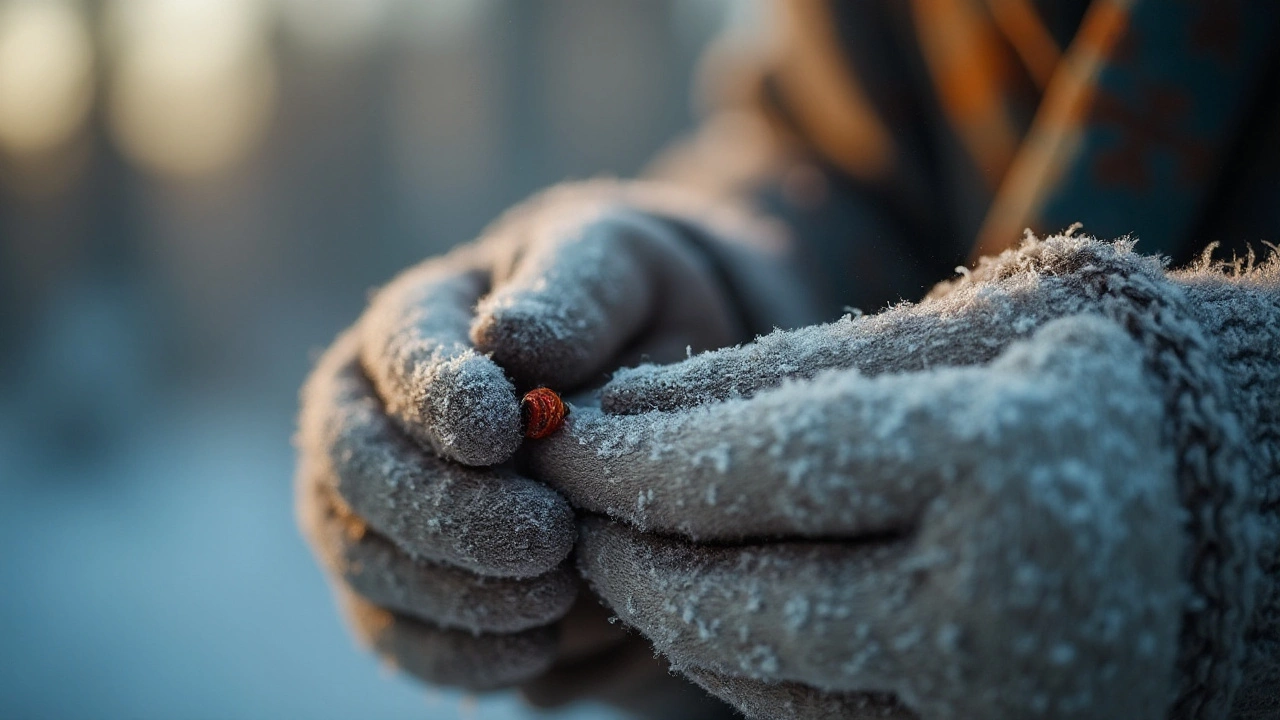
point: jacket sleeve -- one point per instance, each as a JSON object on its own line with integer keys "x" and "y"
{"x": 823, "y": 126}
{"x": 879, "y": 139}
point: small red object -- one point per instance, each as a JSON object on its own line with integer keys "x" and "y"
{"x": 543, "y": 412}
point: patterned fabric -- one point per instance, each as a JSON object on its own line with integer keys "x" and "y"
{"x": 944, "y": 128}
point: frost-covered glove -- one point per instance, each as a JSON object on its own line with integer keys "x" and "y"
{"x": 1048, "y": 490}
{"x": 449, "y": 562}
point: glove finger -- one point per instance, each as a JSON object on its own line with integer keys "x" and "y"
{"x": 455, "y": 658}
{"x": 415, "y": 347}
{"x": 593, "y": 279}
{"x": 842, "y": 455}
{"x": 482, "y": 520}
{"x": 760, "y": 700}
{"x": 964, "y": 328}
{"x": 811, "y": 460}
{"x": 825, "y": 614}
{"x": 449, "y": 597}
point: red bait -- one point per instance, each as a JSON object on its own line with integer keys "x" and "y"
{"x": 543, "y": 412}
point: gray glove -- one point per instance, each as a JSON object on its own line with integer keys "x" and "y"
{"x": 447, "y": 560}
{"x": 1046, "y": 491}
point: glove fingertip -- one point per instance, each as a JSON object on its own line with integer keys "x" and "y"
{"x": 476, "y": 421}
{"x": 529, "y": 530}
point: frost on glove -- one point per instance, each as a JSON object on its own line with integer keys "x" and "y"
{"x": 1046, "y": 490}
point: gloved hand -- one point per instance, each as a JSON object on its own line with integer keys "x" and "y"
{"x": 448, "y": 561}
{"x": 1028, "y": 496}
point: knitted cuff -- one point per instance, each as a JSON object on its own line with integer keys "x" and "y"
{"x": 1238, "y": 304}
{"x": 1212, "y": 472}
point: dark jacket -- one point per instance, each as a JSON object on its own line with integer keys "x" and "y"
{"x": 902, "y": 138}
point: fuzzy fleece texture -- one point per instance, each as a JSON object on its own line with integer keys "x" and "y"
{"x": 1047, "y": 490}
{"x": 977, "y": 472}
{"x": 562, "y": 289}
{"x": 1238, "y": 305}
{"x": 408, "y": 422}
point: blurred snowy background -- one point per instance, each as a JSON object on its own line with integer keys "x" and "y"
{"x": 195, "y": 196}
